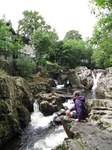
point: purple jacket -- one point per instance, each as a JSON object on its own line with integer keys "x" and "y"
{"x": 78, "y": 106}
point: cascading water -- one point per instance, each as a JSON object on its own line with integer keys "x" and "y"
{"x": 41, "y": 134}
{"x": 50, "y": 136}
{"x": 59, "y": 86}
{"x": 37, "y": 118}
{"x": 95, "y": 81}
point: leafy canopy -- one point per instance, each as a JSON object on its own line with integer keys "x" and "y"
{"x": 73, "y": 34}
{"x": 9, "y": 43}
{"x": 31, "y": 21}
{"x": 102, "y": 36}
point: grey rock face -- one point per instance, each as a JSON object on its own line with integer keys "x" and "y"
{"x": 80, "y": 77}
{"x": 16, "y": 103}
{"x": 85, "y": 135}
{"x": 104, "y": 85}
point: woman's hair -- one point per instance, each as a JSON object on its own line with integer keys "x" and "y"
{"x": 76, "y": 93}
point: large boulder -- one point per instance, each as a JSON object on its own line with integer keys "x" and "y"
{"x": 95, "y": 134}
{"x": 63, "y": 77}
{"x": 101, "y": 113}
{"x": 104, "y": 84}
{"x": 41, "y": 85}
{"x": 85, "y": 135}
{"x": 16, "y": 103}
{"x": 50, "y": 102}
{"x": 81, "y": 77}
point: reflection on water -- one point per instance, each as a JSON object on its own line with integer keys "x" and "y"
{"x": 89, "y": 94}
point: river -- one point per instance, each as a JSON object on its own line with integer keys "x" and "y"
{"x": 40, "y": 134}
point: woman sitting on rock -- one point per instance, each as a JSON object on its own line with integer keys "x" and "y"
{"x": 79, "y": 112}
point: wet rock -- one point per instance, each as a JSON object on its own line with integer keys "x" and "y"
{"x": 56, "y": 119}
{"x": 16, "y": 103}
{"x": 101, "y": 113}
{"x": 50, "y": 102}
{"x": 85, "y": 135}
{"x": 104, "y": 85}
{"x": 81, "y": 77}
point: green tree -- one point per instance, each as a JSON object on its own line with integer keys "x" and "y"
{"x": 9, "y": 43}
{"x": 73, "y": 34}
{"x": 42, "y": 46}
{"x": 25, "y": 66}
{"x": 30, "y": 23}
{"x": 5, "y": 40}
{"x": 39, "y": 35}
{"x": 72, "y": 53}
{"x": 102, "y": 37}
{"x": 105, "y": 4}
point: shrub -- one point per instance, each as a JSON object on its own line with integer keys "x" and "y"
{"x": 25, "y": 66}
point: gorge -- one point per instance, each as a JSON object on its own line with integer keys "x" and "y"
{"x": 41, "y": 133}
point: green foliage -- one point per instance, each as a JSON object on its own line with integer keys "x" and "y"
{"x": 51, "y": 65}
{"x": 75, "y": 53}
{"x": 2, "y": 100}
{"x": 25, "y": 66}
{"x": 9, "y": 43}
{"x": 5, "y": 40}
{"x": 43, "y": 46}
{"x": 38, "y": 34}
{"x": 3, "y": 73}
{"x": 105, "y": 4}
{"x": 102, "y": 42}
{"x": 61, "y": 147}
{"x": 87, "y": 55}
{"x": 73, "y": 34}
{"x": 72, "y": 53}
{"x": 102, "y": 35}
{"x": 31, "y": 22}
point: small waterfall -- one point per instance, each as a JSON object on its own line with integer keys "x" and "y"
{"x": 38, "y": 119}
{"x": 95, "y": 79}
{"x": 35, "y": 106}
{"x": 40, "y": 122}
{"x": 59, "y": 86}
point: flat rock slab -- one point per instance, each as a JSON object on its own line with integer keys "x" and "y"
{"x": 85, "y": 136}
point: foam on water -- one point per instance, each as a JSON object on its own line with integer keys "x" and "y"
{"x": 54, "y": 139}
{"x": 38, "y": 119}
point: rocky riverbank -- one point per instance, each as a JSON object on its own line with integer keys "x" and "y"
{"x": 93, "y": 135}
{"x": 16, "y": 103}
{"x": 85, "y": 136}
{"x": 17, "y": 96}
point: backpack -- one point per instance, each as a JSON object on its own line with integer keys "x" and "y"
{"x": 85, "y": 108}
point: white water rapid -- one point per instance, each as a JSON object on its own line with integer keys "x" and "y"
{"x": 95, "y": 79}
{"x": 38, "y": 120}
{"x": 59, "y": 86}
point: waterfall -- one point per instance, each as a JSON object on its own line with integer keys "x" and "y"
{"x": 38, "y": 119}
{"x": 40, "y": 133}
{"x": 95, "y": 79}
{"x": 59, "y": 86}
{"x": 40, "y": 122}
